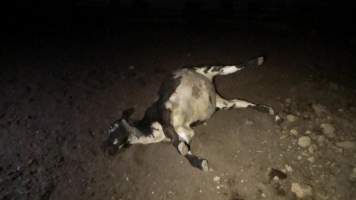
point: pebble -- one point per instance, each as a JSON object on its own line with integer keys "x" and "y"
{"x": 291, "y": 118}
{"x": 346, "y": 144}
{"x": 304, "y": 141}
{"x": 294, "y": 132}
{"x": 328, "y": 130}
{"x": 288, "y": 168}
{"x": 301, "y": 190}
{"x": 216, "y": 179}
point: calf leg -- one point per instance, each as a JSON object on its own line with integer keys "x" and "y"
{"x": 185, "y": 135}
{"x": 225, "y": 104}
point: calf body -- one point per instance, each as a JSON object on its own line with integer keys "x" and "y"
{"x": 185, "y": 98}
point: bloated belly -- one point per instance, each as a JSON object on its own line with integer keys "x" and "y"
{"x": 194, "y": 100}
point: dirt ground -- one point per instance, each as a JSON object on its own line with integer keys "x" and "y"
{"x": 60, "y": 93}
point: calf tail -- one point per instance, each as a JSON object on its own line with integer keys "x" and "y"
{"x": 212, "y": 71}
{"x": 255, "y": 62}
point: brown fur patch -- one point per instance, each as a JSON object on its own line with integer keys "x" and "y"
{"x": 196, "y": 92}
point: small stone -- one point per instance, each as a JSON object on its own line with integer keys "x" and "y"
{"x": 288, "y": 168}
{"x": 346, "y": 144}
{"x": 301, "y": 191}
{"x": 291, "y": 118}
{"x": 294, "y": 132}
{"x": 304, "y": 141}
{"x": 328, "y": 130}
{"x": 308, "y": 132}
{"x": 131, "y": 67}
{"x": 288, "y": 100}
{"x": 319, "y": 109}
{"x": 216, "y": 179}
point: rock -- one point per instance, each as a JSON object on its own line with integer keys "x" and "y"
{"x": 328, "y": 130}
{"x": 294, "y": 132}
{"x": 304, "y": 141}
{"x": 301, "y": 190}
{"x": 346, "y": 144}
{"x": 291, "y": 118}
{"x": 216, "y": 179}
{"x": 308, "y": 132}
{"x": 319, "y": 109}
{"x": 288, "y": 168}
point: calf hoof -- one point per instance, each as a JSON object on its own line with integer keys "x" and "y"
{"x": 204, "y": 165}
{"x": 199, "y": 163}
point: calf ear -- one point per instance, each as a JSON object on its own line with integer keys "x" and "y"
{"x": 117, "y": 141}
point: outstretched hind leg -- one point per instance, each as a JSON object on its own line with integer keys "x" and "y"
{"x": 225, "y": 104}
{"x": 185, "y": 135}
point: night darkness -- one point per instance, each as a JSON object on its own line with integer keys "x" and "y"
{"x": 69, "y": 68}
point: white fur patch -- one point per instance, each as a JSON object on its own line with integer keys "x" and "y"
{"x": 229, "y": 70}
{"x": 183, "y": 137}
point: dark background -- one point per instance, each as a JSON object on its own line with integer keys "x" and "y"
{"x": 26, "y": 15}
{"x": 69, "y": 68}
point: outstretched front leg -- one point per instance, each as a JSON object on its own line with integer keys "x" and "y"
{"x": 225, "y": 104}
